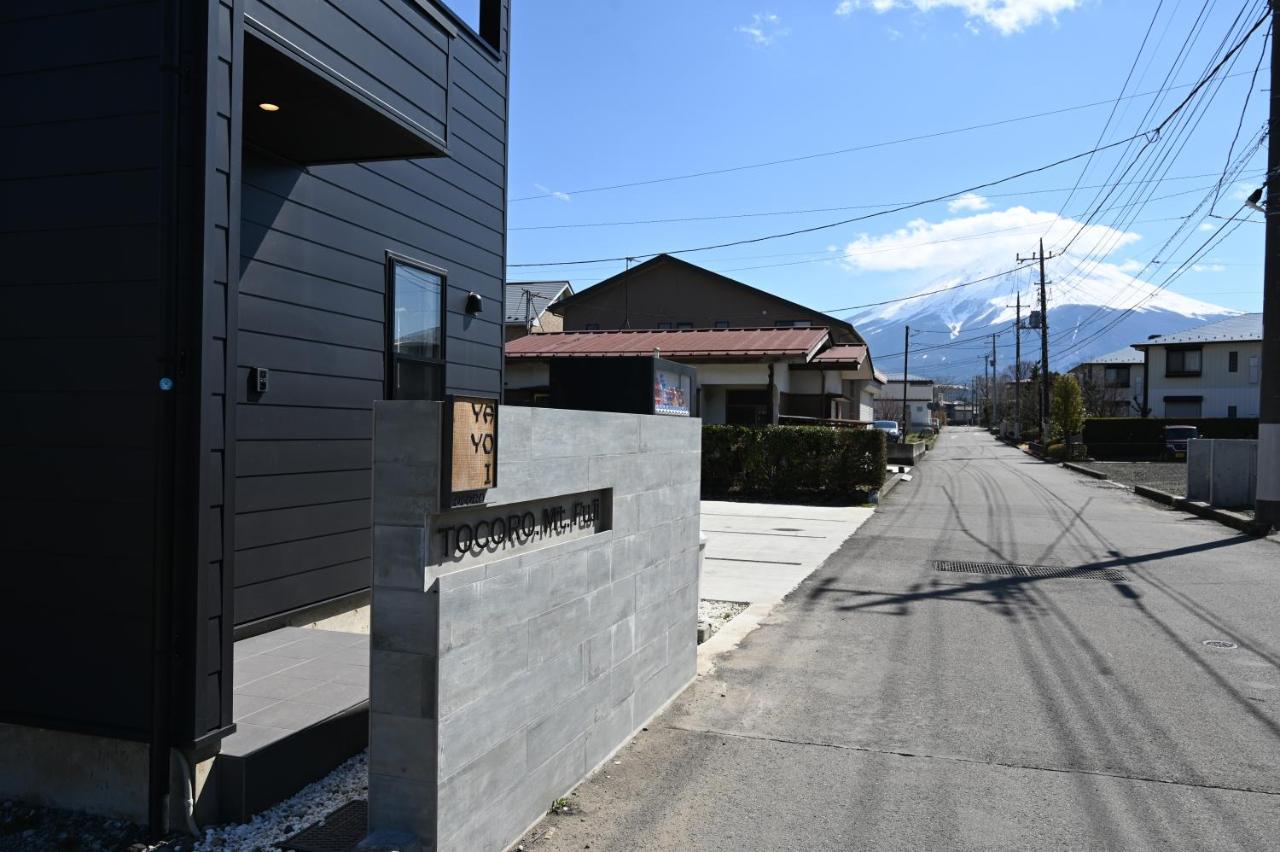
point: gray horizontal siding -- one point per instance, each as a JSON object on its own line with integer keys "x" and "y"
{"x": 312, "y": 290}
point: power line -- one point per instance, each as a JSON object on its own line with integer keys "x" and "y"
{"x": 810, "y": 210}
{"x": 853, "y": 149}
{"x": 1150, "y": 135}
{"x": 828, "y": 225}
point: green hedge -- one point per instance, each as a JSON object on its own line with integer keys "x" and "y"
{"x": 1143, "y": 437}
{"x": 791, "y": 462}
{"x": 1138, "y": 430}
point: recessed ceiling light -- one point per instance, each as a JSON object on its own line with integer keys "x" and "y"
{"x": 266, "y": 107}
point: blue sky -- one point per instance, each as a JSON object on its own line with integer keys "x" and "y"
{"x": 607, "y": 92}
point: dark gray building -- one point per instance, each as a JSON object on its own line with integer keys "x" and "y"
{"x": 229, "y": 226}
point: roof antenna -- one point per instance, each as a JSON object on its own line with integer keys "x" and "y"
{"x": 626, "y": 295}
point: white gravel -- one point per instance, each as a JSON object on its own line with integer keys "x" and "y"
{"x": 717, "y": 613}
{"x": 308, "y": 806}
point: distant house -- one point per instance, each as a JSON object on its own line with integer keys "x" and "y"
{"x": 526, "y": 307}
{"x": 746, "y": 376}
{"x": 1112, "y": 384}
{"x": 760, "y": 358}
{"x": 666, "y": 292}
{"x": 1212, "y": 370}
{"x": 919, "y": 396}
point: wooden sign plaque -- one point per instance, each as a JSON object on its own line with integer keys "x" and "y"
{"x": 471, "y": 448}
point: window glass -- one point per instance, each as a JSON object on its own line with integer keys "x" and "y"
{"x": 1231, "y": 409}
{"x": 1233, "y": 362}
{"x": 1183, "y": 361}
{"x": 722, "y": 323}
{"x": 684, "y": 325}
{"x": 592, "y": 326}
{"x": 417, "y": 313}
{"x": 663, "y": 325}
{"x": 417, "y": 349}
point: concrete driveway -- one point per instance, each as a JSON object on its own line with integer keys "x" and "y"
{"x": 759, "y": 552}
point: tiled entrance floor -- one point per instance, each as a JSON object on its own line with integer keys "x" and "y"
{"x": 292, "y": 679}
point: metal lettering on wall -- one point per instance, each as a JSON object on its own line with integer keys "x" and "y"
{"x": 499, "y": 531}
{"x": 473, "y": 449}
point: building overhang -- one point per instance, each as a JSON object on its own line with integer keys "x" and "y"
{"x": 320, "y": 116}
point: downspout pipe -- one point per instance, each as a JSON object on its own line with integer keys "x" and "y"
{"x": 162, "y": 642}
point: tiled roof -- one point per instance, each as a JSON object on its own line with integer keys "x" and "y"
{"x": 1243, "y": 327}
{"x": 539, "y": 295}
{"x": 673, "y": 343}
{"x": 849, "y": 353}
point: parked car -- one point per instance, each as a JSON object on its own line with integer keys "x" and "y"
{"x": 1176, "y": 439}
{"x": 890, "y": 429}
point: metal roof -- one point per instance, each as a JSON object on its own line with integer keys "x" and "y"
{"x": 843, "y": 327}
{"x": 1127, "y": 355}
{"x": 847, "y": 353}
{"x": 539, "y": 295}
{"x": 672, "y": 343}
{"x": 897, "y": 377}
{"x": 1242, "y": 328}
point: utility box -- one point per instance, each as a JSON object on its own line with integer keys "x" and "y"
{"x": 635, "y": 385}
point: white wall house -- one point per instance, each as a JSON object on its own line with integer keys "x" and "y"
{"x": 1212, "y": 370}
{"x": 919, "y": 394}
{"x": 1113, "y": 383}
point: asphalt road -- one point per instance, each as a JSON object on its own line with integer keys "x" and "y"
{"x": 888, "y": 705}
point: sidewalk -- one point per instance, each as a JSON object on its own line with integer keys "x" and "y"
{"x": 758, "y": 552}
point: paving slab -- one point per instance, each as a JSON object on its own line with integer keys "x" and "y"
{"x": 758, "y": 552}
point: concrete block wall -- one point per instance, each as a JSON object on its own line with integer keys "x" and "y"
{"x": 497, "y": 686}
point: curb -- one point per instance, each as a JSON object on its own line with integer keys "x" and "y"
{"x": 1086, "y": 471}
{"x": 1243, "y": 523}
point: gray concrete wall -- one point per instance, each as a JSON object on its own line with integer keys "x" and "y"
{"x": 1222, "y": 473}
{"x": 501, "y": 677}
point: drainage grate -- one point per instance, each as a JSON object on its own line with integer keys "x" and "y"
{"x": 340, "y": 831}
{"x": 1041, "y": 572}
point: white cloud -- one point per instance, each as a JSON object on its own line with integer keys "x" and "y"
{"x": 765, "y": 28}
{"x": 1207, "y": 226}
{"x": 558, "y": 196}
{"x": 1005, "y": 16}
{"x": 1208, "y": 267}
{"x": 1131, "y": 266}
{"x": 969, "y": 201}
{"x": 986, "y": 240}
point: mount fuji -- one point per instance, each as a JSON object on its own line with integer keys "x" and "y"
{"x": 1087, "y": 318}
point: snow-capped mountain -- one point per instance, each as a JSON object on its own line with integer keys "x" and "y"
{"x": 1084, "y": 320}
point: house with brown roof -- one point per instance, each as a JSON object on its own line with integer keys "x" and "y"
{"x": 760, "y": 358}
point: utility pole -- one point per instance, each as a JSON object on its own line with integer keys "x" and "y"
{"x": 995, "y": 387}
{"x": 1267, "y": 503}
{"x": 906, "y": 415}
{"x": 1044, "y": 344}
{"x": 1017, "y": 371}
